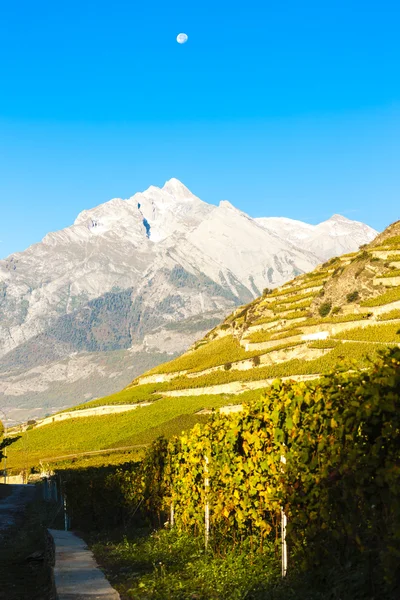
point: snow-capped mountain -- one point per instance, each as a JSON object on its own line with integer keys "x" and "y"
{"x": 338, "y": 235}
{"x": 144, "y": 275}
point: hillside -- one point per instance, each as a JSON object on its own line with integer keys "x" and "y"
{"x": 142, "y": 277}
{"x": 346, "y": 309}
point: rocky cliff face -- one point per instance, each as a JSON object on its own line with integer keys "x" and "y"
{"x": 148, "y": 274}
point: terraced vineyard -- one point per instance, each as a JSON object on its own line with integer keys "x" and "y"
{"x": 342, "y": 313}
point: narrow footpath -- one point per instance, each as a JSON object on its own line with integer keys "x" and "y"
{"x": 77, "y": 575}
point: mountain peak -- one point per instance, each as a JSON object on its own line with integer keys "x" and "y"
{"x": 336, "y": 218}
{"x": 176, "y": 188}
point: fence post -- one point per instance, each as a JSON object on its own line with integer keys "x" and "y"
{"x": 283, "y": 532}
{"x": 207, "y": 506}
{"x": 171, "y": 516}
{"x": 284, "y": 546}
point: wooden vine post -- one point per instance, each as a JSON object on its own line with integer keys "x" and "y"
{"x": 172, "y": 516}
{"x": 206, "y": 506}
{"x": 283, "y": 533}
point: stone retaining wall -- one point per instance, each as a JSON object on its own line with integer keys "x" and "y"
{"x": 330, "y": 328}
{"x": 235, "y": 387}
{"x": 90, "y": 412}
{"x": 387, "y": 281}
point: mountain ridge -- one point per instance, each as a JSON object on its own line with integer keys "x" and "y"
{"x": 336, "y": 317}
{"x": 126, "y": 270}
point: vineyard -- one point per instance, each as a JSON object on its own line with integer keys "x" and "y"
{"x": 325, "y": 452}
{"x": 303, "y": 329}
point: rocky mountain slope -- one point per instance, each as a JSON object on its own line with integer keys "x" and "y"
{"x": 342, "y": 313}
{"x": 143, "y": 277}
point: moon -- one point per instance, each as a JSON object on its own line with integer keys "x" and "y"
{"x": 182, "y": 38}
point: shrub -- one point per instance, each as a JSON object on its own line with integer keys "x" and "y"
{"x": 256, "y": 361}
{"x": 325, "y": 309}
{"x": 352, "y": 296}
{"x": 336, "y": 310}
{"x": 227, "y": 366}
{"x": 362, "y": 255}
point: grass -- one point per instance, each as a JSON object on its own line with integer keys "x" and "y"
{"x": 130, "y": 395}
{"x": 388, "y": 333}
{"x": 387, "y": 297}
{"x": 168, "y": 565}
{"x": 212, "y": 354}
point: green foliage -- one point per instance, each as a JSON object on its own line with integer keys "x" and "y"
{"x": 168, "y": 416}
{"x": 334, "y": 319}
{"x": 212, "y": 354}
{"x": 168, "y": 564}
{"x": 325, "y": 309}
{"x": 112, "y": 496}
{"x": 373, "y": 333}
{"x": 286, "y": 346}
{"x": 361, "y": 256}
{"x": 393, "y": 314}
{"x": 267, "y": 335}
{"x": 353, "y": 296}
{"x": 130, "y": 395}
{"x": 392, "y": 273}
{"x": 323, "y": 344}
{"x": 290, "y": 300}
{"x": 353, "y": 351}
{"x": 392, "y": 241}
{"x": 287, "y": 317}
{"x": 387, "y": 297}
{"x": 285, "y": 291}
{"x": 315, "y": 275}
{"x": 281, "y": 308}
{"x": 340, "y": 437}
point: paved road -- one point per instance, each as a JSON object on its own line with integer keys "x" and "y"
{"x": 76, "y": 573}
{"x": 14, "y": 505}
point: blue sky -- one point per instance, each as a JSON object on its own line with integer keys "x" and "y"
{"x": 288, "y": 109}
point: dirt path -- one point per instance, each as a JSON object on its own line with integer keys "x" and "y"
{"x": 77, "y": 575}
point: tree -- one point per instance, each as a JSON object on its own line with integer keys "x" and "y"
{"x": 4, "y": 442}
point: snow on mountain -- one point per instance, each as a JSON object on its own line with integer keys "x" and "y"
{"x": 338, "y": 235}
{"x": 127, "y": 270}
